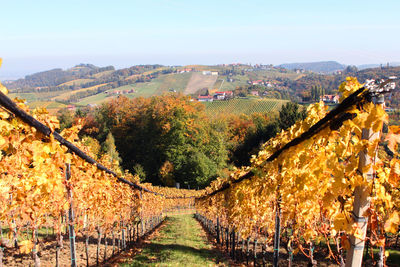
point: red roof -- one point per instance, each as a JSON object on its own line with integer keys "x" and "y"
{"x": 224, "y": 92}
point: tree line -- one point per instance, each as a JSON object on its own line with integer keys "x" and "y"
{"x": 169, "y": 139}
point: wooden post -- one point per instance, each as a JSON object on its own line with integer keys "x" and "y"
{"x": 113, "y": 240}
{"x": 277, "y": 234}
{"x": 59, "y": 246}
{"x": 362, "y": 198}
{"x": 35, "y": 255}
{"x": 105, "y": 246}
{"x": 263, "y": 252}
{"x": 227, "y": 239}
{"x": 98, "y": 245}
{"x": 233, "y": 244}
{"x": 255, "y": 252}
{"x": 141, "y": 212}
{"x": 71, "y": 217}
{"x": 247, "y": 250}
{"x": 1, "y": 254}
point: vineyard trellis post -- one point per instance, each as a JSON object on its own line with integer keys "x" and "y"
{"x": 277, "y": 232}
{"x": 71, "y": 216}
{"x": 362, "y": 197}
{"x": 217, "y": 230}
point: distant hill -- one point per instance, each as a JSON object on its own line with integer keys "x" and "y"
{"x": 370, "y": 66}
{"x": 319, "y": 67}
{"x": 88, "y": 84}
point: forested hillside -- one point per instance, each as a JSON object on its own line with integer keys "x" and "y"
{"x": 87, "y": 84}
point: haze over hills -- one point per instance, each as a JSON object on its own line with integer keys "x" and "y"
{"x": 369, "y": 66}
{"x": 319, "y": 67}
{"x": 88, "y": 84}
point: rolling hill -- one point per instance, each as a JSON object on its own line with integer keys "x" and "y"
{"x": 319, "y": 67}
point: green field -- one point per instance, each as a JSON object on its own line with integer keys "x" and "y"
{"x": 244, "y": 106}
{"x": 158, "y": 86}
{"x": 102, "y": 74}
{"x": 76, "y": 82}
{"x": 161, "y": 85}
{"x": 39, "y": 96}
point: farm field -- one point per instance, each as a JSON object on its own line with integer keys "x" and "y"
{"x": 67, "y": 94}
{"x": 199, "y": 81}
{"x": 158, "y": 86}
{"x": 37, "y": 96}
{"x": 76, "y": 82}
{"x": 243, "y": 106}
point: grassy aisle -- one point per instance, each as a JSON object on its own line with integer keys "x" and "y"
{"x": 181, "y": 242}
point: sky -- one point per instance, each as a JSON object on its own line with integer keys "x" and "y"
{"x": 40, "y": 35}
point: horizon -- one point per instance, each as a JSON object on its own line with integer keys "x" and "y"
{"x": 17, "y": 76}
{"x": 45, "y": 35}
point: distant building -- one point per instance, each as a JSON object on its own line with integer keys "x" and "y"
{"x": 214, "y": 73}
{"x": 299, "y": 71}
{"x": 71, "y": 107}
{"x": 255, "y": 93}
{"x": 330, "y": 99}
{"x": 185, "y": 70}
{"x": 257, "y": 82}
{"x": 223, "y": 95}
{"x": 205, "y": 98}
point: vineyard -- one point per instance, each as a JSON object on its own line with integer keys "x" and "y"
{"x": 243, "y": 106}
{"x": 326, "y": 183}
{"x": 329, "y": 186}
{"x": 53, "y": 187}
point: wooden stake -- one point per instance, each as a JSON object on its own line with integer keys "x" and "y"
{"x": 277, "y": 234}
{"x": 34, "y": 250}
{"x": 361, "y": 199}
{"x": 70, "y": 218}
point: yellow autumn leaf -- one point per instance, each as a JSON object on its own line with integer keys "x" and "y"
{"x": 25, "y": 246}
{"x": 358, "y": 233}
{"x": 394, "y": 175}
{"x": 3, "y": 89}
{"x": 392, "y": 223}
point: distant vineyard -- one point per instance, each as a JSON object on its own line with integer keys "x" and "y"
{"x": 244, "y": 106}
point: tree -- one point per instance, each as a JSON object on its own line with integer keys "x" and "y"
{"x": 289, "y": 114}
{"x": 110, "y": 149}
{"x": 165, "y": 135}
{"x": 66, "y": 118}
{"x": 350, "y": 69}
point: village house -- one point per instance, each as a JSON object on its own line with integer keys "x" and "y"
{"x": 205, "y": 98}
{"x": 223, "y": 95}
{"x": 185, "y": 70}
{"x": 257, "y": 82}
{"x": 330, "y": 99}
{"x": 254, "y": 92}
{"x": 71, "y": 107}
{"x": 207, "y": 72}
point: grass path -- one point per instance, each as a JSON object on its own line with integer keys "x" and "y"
{"x": 181, "y": 242}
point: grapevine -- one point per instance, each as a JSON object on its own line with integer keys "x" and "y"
{"x": 311, "y": 183}
{"x": 33, "y": 187}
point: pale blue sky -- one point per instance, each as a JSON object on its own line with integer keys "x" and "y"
{"x": 38, "y": 35}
